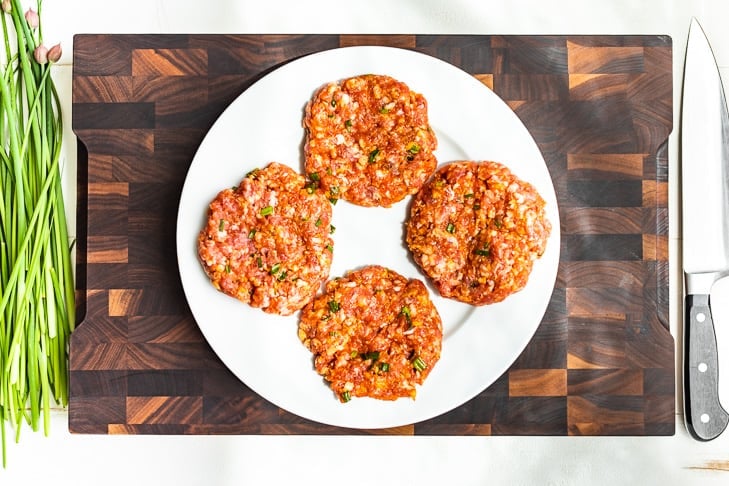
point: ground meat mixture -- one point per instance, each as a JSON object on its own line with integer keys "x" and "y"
{"x": 373, "y": 333}
{"x": 267, "y": 241}
{"x": 476, "y": 229}
{"x": 368, "y": 140}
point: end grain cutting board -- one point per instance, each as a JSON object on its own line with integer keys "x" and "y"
{"x": 600, "y": 109}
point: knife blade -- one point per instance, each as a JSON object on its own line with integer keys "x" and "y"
{"x": 705, "y": 223}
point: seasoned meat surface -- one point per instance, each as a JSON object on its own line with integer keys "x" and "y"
{"x": 267, "y": 241}
{"x": 373, "y": 333}
{"x": 476, "y": 229}
{"x": 368, "y": 140}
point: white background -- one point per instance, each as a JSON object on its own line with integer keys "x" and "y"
{"x": 63, "y": 458}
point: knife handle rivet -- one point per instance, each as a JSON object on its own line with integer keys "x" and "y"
{"x": 701, "y": 317}
{"x": 705, "y": 418}
{"x": 703, "y": 367}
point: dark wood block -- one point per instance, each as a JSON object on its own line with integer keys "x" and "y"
{"x": 602, "y": 361}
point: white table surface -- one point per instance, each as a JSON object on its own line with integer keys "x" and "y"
{"x": 63, "y": 458}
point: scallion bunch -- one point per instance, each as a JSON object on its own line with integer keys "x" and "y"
{"x": 36, "y": 274}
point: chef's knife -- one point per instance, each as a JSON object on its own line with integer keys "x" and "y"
{"x": 705, "y": 199}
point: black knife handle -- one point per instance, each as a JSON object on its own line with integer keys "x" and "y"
{"x": 705, "y": 417}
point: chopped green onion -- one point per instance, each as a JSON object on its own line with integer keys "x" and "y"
{"x": 414, "y": 148}
{"x": 317, "y": 223}
{"x": 476, "y": 207}
{"x": 384, "y": 367}
{"x": 268, "y": 210}
{"x": 333, "y": 306}
{"x": 333, "y": 190}
{"x": 221, "y": 225}
{"x": 470, "y": 195}
{"x": 282, "y": 275}
{"x": 227, "y": 268}
{"x": 275, "y": 268}
{"x": 334, "y": 103}
{"x": 314, "y": 177}
{"x": 253, "y": 173}
{"x": 373, "y": 155}
{"x": 372, "y": 355}
{"x": 387, "y": 107}
{"x": 333, "y": 200}
{"x": 405, "y": 311}
{"x": 348, "y": 124}
{"x": 484, "y": 251}
{"x": 252, "y": 233}
{"x": 332, "y": 229}
{"x": 418, "y": 363}
{"x": 451, "y": 228}
{"x": 330, "y": 248}
{"x": 346, "y": 396}
{"x": 259, "y": 262}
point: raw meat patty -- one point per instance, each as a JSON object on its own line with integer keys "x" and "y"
{"x": 267, "y": 241}
{"x": 373, "y": 333}
{"x": 476, "y": 229}
{"x": 368, "y": 140}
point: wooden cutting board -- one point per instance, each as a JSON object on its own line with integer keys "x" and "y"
{"x": 600, "y": 109}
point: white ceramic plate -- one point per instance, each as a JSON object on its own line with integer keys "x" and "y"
{"x": 265, "y": 124}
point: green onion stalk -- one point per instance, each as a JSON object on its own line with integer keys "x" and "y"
{"x": 36, "y": 275}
